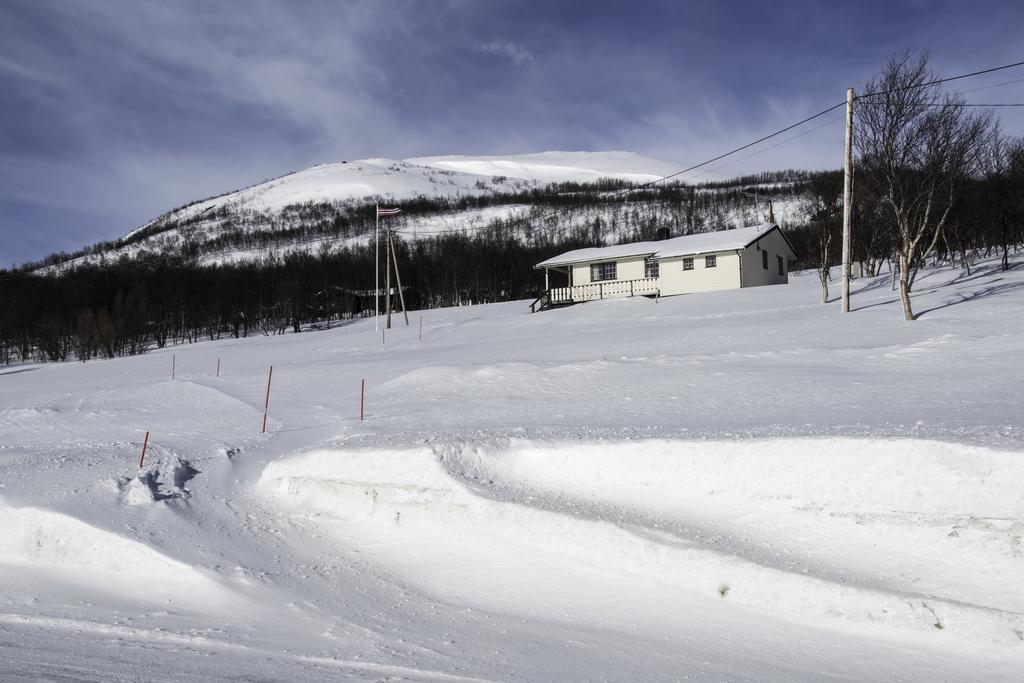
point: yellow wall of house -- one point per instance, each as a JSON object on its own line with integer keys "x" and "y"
{"x": 631, "y": 268}
{"x": 725, "y": 274}
{"x": 754, "y": 273}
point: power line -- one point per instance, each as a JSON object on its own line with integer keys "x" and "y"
{"x": 940, "y": 80}
{"x": 994, "y": 85}
{"x": 771, "y": 147}
{"x": 747, "y": 146}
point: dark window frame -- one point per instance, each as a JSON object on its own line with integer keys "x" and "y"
{"x": 602, "y": 271}
{"x": 782, "y": 266}
{"x": 764, "y": 259}
{"x": 688, "y": 263}
{"x": 652, "y": 268}
{"x": 711, "y": 261}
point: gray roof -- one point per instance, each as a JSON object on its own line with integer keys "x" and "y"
{"x": 687, "y": 245}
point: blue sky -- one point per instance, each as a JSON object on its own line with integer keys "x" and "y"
{"x": 113, "y": 112}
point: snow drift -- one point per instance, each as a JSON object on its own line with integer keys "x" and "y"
{"x": 42, "y": 539}
{"x": 754, "y": 523}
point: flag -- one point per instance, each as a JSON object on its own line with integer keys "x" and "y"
{"x": 381, "y": 211}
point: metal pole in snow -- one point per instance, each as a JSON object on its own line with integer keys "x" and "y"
{"x": 266, "y": 403}
{"x": 376, "y": 269}
{"x": 387, "y": 279}
{"x": 398, "y": 277}
{"x": 145, "y": 442}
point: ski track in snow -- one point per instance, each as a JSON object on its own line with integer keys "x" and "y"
{"x": 739, "y": 485}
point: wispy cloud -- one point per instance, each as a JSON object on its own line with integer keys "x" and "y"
{"x": 515, "y": 52}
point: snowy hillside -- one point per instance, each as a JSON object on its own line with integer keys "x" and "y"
{"x": 301, "y": 212}
{"x": 741, "y": 485}
{"x": 389, "y": 179}
{"x": 350, "y": 181}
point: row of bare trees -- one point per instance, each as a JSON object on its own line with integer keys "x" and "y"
{"x": 934, "y": 175}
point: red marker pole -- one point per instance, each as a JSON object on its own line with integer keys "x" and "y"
{"x": 145, "y": 442}
{"x": 362, "y": 398}
{"x": 266, "y": 403}
{"x": 421, "y": 328}
{"x": 172, "y": 366}
{"x": 218, "y": 368}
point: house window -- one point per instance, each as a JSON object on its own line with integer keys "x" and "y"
{"x": 710, "y": 261}
{"x": 764, "y": 260}
{"x": 782, "y": 266}
{"x": 602, "y": 271}
{"x": 687, "y": 264}
{"x": 651, "y": 267}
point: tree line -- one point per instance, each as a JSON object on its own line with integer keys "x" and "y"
{"x": 128, "y": 307}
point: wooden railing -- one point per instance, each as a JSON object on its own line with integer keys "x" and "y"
{"x": 562, "y": 296}
{"x": 543, "y": 303}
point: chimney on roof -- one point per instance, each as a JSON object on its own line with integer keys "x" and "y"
{"x": 662, "y": 234}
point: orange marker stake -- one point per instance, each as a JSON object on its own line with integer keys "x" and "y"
{"x": 362, "y": 398}
{"x": 266, "y": 403}
{"x": 145, "y": 442}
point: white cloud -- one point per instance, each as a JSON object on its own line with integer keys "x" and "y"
{"x": 513, "y": 51}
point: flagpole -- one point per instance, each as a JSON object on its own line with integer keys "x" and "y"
{"x": 376, "y": 270}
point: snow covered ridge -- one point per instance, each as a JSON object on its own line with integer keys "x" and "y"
{"x": 702, "y": 516}
{"x": 433, "y": 176}
{"x": 558, "y": 167}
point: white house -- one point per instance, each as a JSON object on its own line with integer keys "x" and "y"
{"x": 725, "y": 259}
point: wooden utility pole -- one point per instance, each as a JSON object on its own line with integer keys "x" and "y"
{"x": 398, "y": 278}
{"x": 847, "y": 200}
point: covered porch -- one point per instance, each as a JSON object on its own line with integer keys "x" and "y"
{"x": 574, "y": 294}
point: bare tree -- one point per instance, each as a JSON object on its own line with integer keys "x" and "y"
{"x": 823, "y": 210}
{"x": 1003, "y": 169}
{"x": 916, "y": 145}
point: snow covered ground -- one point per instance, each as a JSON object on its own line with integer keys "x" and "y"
{"x": 739, "y": 485}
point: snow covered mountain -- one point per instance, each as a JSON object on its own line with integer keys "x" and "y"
{"x": 329, "y": 206}
{"x": 390, "y": 179}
